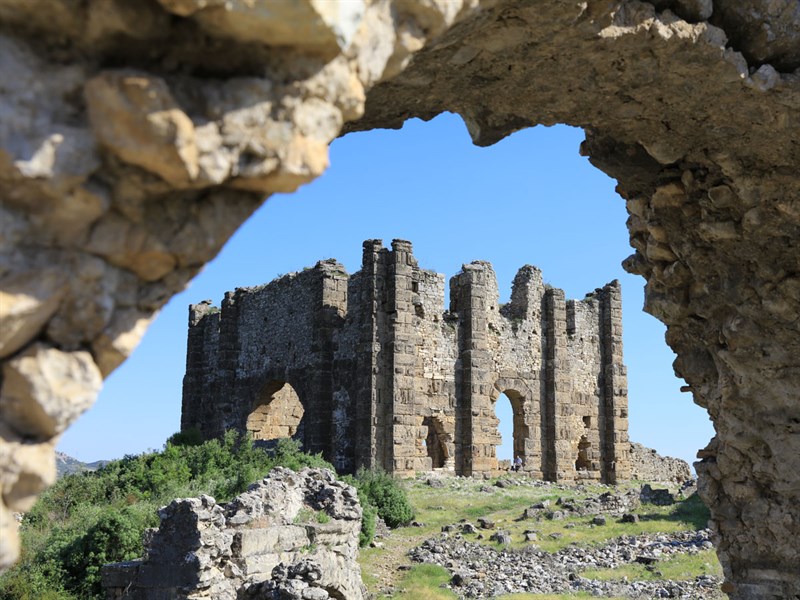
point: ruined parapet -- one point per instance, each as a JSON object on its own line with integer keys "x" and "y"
{"x": 648, "y": 465}
{"x": 286, "y": 534}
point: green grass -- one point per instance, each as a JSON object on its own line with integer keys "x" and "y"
{"x": 422, "y": 582}
{"x": 505, "y": 506}
{"x": 677, "y": 568}
{"x": 551, "y": 596}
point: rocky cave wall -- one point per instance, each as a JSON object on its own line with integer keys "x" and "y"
{"x": 135, "y": 137}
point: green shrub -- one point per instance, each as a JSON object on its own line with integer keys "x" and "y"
{"x": 29, "y": 581}
{"x": 115, "y": 536}
{"x": 288, "y": 453}
{"x": 188, "y": 437}
{"x": 368, "y": 518}
{"x": 385, "y": 494}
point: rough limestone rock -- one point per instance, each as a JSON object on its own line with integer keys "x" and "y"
{"x": 135, "y": 137}
{"x": 691, "y": 105}
{"x": 649, "y": 465}
{"x": 291, "y": 535}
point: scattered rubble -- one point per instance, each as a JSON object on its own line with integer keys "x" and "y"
{"x": 481, "y": 571}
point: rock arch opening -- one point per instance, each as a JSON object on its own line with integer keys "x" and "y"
{"x": 277, "y": 413}
{"x": 704, "y": 201}
{"x": 584, "y": 462}
{"x": 509, "y": 410}
{"x": 436, "y": 443}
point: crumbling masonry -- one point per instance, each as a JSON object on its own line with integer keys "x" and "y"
{"x": 368, "y": 370}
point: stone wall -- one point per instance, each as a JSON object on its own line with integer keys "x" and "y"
{"x": 290, "y": 536}
{"x": 648, "y": 465}
{"x": 370, "y": 371}
{"x": 262, "y": 340}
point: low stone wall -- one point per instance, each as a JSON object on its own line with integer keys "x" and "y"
{"x": 291, "y": 535}
{"x": 649, "y": 465}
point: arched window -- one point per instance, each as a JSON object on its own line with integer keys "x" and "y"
{"x": 510, "y": 413}
{"x": 436, "y": 442}
{"x": 277, "y": 413}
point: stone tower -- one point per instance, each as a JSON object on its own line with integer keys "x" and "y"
{"x": 369, "y": 370}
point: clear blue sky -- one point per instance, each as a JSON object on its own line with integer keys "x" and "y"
{"x": 530, "y": 199}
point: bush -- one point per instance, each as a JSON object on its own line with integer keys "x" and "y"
{"x": 368, "y": 517}
{"x": 390, "y": 502}
{"x": 115, "y": 536}
{"x": 31, "y": 582}
{"x": 188, "y": 437}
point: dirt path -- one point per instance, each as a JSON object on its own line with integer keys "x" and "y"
{"x": 384, "y": 567}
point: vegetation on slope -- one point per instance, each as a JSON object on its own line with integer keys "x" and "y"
{"x": 89, "y": 519}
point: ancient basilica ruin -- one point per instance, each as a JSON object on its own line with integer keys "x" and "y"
{"x": 369, "y": 370}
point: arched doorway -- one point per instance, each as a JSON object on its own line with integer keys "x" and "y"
{"x": 584, "y": 462}
{"x": 436, "y": 442}
{"x": 277, "y": 413}
{"x": 509, "y": 411}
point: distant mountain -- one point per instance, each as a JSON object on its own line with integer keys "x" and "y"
{"x": 66, "y": 465}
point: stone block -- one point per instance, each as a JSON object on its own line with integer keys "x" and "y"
{"x": 284, "y": 538}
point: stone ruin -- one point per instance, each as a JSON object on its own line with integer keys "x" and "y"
{"x": 136, "y": 136}
{"x": 370, "y": 371}
{"x": 648, "y": 465}
{"x": 292, "y": 536}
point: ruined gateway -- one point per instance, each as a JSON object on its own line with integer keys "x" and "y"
{"x": 368, "y": 370}
{"x": 137, "y": 136}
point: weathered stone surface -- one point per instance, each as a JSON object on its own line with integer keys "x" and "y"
{"x": 266, "y": 543}
{"x": 135, "y": 117}
{"x": 658, "y": 496}
{"x": 136, "y": 137}
{"x": 45, "y": 389}
{"x": 299, "y": 369}
{"x": 667, "y": 99}
{"x": 648, "y": 465}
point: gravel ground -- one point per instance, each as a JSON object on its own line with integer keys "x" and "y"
{"x": 480, "y": 571}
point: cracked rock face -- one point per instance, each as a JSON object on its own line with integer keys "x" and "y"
{"x": 135, "y": 137}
